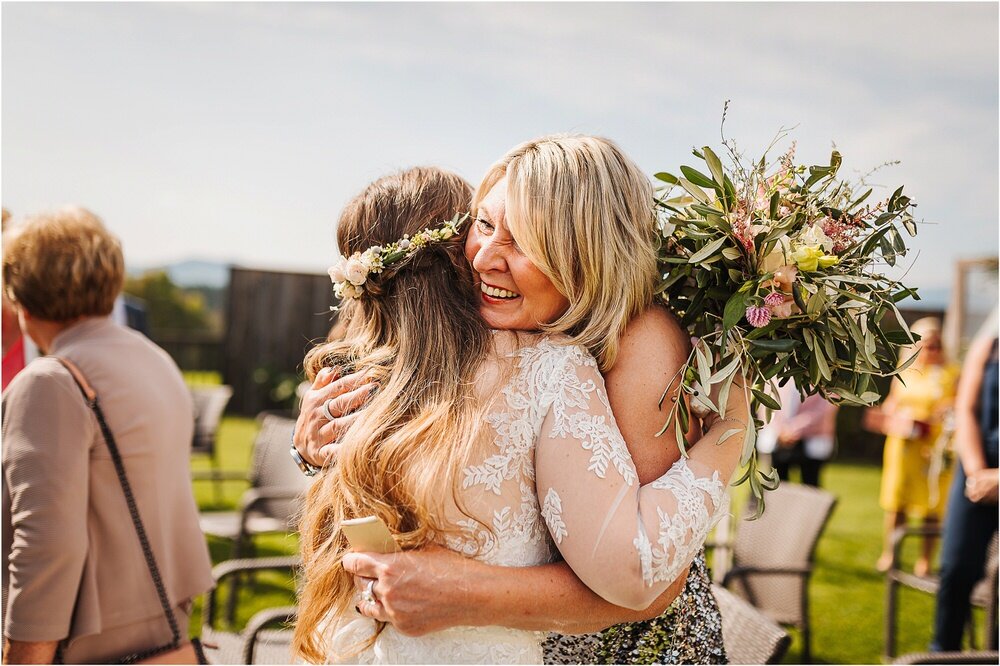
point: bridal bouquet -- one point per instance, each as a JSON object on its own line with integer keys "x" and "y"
{"x": 773, "y": 268}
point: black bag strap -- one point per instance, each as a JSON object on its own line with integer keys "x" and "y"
{"x": 91, "y": 397}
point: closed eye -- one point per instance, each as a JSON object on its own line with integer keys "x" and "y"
{"x": 484, "y": 225}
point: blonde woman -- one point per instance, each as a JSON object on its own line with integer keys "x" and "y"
{"x": 466, "y": 426}
{"x": 914, "y": 416}
{"x": 568, "y": 217}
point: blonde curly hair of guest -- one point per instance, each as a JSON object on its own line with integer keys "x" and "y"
{"x": 417, "y": 331}
{"x": 583, "y": 213}
{"x": 63, "y": 265}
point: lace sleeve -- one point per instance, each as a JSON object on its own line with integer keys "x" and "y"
{"x": 625, "y": 541}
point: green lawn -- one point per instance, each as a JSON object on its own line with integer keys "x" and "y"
{"x": 847, "y": 594}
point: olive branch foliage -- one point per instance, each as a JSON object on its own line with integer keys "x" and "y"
{"x": 843, "y": 327}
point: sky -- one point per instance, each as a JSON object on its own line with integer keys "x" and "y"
{"x": 237, "y": 132}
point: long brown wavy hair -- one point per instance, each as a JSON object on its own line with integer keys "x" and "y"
{"x": 417, "y": 332}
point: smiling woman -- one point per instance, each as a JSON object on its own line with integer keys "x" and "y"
{"x": 514, "y": 293}
{"x": 564, "y": 242}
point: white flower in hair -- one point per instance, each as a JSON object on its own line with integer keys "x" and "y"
{"x": 349, "y": 275}
{"x": 355, "y": 271}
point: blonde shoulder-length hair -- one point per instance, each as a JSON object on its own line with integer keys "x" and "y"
{"x": 583, "y": 213}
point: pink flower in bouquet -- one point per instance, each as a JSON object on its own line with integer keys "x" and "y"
{"x": 785, "y": 309}
{"x": 842, "y": 232}
{"x": 774, "y": 299}
{"x": 739, "y": 219}
{"x": 758, "y": 316}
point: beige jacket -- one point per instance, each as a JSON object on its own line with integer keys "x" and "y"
{"x": 74, "y": 566}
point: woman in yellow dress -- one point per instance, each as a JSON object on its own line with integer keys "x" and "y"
{"x": 913, "y": 480}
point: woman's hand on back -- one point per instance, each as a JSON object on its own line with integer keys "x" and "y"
{"x": 418, "y": 591}
{"x": 316, "y": 435}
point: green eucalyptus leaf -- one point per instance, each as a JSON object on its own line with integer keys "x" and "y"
{"x": 666, "y": 177}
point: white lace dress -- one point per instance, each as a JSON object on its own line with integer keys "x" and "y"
{"x": 555, "y": 478}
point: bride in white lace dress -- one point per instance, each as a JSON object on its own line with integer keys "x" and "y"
{"x": 548, "y": 472}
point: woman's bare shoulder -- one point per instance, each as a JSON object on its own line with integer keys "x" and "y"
{"x": 655, "y": 332}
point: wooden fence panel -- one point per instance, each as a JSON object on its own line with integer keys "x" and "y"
{"x": 273, "y": 318}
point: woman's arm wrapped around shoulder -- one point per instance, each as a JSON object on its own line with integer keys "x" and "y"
{"x": 600, "y": 516}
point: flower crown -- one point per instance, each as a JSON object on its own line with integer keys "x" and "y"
{"x": 349, "y": 275}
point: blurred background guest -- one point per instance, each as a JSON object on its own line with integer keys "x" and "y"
{"x": 912, "y": 419}
{"x": 75, "y": 577}
{"x": 801, "y": 433}
{"x": 972, "y": 505}
{"x": 18, "y": 349}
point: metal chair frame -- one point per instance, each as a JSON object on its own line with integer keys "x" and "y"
{"x": 251, "y": 635}
{"x": 984, "y": 594}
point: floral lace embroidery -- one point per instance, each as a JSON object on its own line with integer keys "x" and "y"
{"x": 601, "y": 438}
{"x": 682, "y": 535}
{"x": 552, "y": 513}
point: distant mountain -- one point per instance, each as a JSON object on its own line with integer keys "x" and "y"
{"x": 193, "y": 273}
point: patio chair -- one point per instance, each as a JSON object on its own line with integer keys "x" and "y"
{"x": 272, "y": 501}
{"x": 209, "y": 405}
{"x": 984, "y": 594}
{"x": 749, "y": 636}
{"x": 773, "y": 556}
{"x": 259, "y": 642}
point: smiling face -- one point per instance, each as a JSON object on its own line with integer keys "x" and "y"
{"x": 513, "y": 293}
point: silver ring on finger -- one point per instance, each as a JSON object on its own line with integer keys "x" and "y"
{"x": 326, "y": 410}
{"x": 368, "y": 595}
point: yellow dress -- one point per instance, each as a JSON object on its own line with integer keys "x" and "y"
{"x": 907, "y": 484}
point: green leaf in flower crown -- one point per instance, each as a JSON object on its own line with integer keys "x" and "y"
{"x": 734, "y": 310}
{"x": 714, "y": 166}
{"x": 909, "y": 224}
{"x": 773, "y": 209}
{"x": 765, "y": 399}
{"x": 707, "y": 251}
{"x": 697, "y": 177}
{"x": 666, "y": 177}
